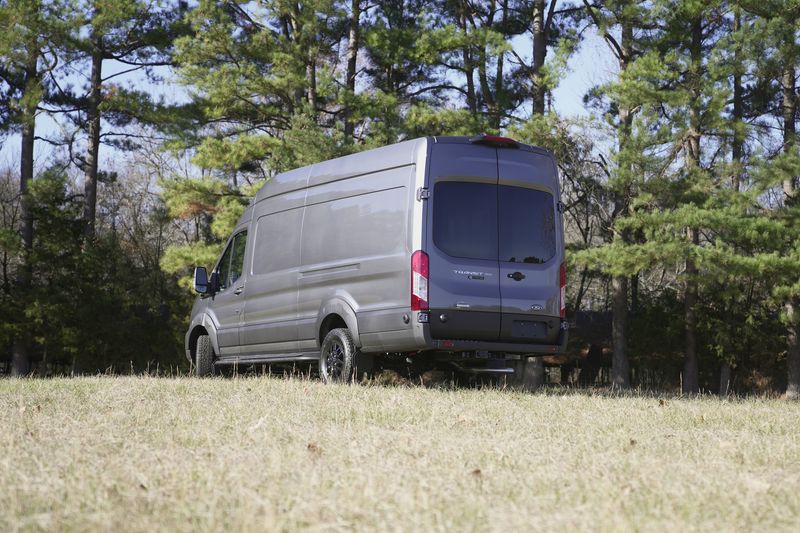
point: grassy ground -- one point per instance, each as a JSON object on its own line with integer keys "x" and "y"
{"x": 138, "y": 454}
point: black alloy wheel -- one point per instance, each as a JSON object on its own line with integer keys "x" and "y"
{"x": 336, "y": 356}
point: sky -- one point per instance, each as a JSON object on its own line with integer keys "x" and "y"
{"x": 591, "y": 65}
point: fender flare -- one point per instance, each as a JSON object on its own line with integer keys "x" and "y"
{"x": 206, "y": 323}
{"x": 338, "y": 305}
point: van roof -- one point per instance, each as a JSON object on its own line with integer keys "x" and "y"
{"x": 393, "y": 155}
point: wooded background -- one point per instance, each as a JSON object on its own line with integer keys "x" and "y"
{"x": 680, "y": 182}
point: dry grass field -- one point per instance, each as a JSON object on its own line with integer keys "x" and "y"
{"x": 252, "y": 454}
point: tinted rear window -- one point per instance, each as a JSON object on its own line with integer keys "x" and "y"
{"x": 465, "y": 219}
{"x": 468, "y": 218}
{"x": 527, "y": 225}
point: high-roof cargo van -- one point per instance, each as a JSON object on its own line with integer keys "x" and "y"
{"x": 435, "y": 251}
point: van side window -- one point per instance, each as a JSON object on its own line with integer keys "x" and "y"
{"x": 237, "y": 258}
{"x": 224, "y": 267}
{"x": 230, "y": 267}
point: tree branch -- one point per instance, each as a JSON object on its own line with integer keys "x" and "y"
{"x": 616, "y": 49}
{"x": 549, "y": 20}
{"x": 134, "y": 69}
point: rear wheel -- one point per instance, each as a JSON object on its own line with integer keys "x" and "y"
{"x": 204, "y": 356}
{"x": 337, "y": 356}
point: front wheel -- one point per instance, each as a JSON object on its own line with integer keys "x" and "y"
{"x": 204, "y": 356}
{"x": 337, "y": 355}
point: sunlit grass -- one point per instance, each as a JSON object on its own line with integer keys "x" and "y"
{"x": 138, "y": 454}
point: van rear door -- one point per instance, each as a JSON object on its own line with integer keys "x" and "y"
{"x": 530, "y": 248}
{"x": 464, "y": 286}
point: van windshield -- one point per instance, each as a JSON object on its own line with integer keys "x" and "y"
{"x": 494, "y": 222}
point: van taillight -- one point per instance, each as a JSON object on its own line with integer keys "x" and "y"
{"x": 419, "y": 281}
{"x": 562, "y": 275}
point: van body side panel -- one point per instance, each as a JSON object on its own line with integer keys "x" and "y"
{"x": 530, "y": 247}
{"x": 271, "y": 309}
{"x": 385, "y": 330}
{"x": 355, "y": 248}
{"x": 464, "y": 291}
{"x": 382, "y": 328}
{"x": 225, "y": 312}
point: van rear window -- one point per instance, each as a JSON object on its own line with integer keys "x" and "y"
{"x": 527, "y": 225}
{"x": 487, "y": 221}
{"x": 465, "y": 219}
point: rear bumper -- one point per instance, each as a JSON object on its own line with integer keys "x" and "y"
{"x": 461, "y": 345}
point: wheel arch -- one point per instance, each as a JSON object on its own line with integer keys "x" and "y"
{"x": 336, "y": 314}
{"x": 204, "y": 326}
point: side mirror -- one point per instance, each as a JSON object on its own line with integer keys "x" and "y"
{"x": 201, "y": 280}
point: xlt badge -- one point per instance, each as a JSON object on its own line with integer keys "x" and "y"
{"x": 472, "y": 274}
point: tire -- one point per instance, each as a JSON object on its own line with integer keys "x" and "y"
{"x": 337, "y": 356}
{"x": 204, "y": 357}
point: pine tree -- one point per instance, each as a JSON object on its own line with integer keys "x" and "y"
{"x": 776, "y": 94}
{"x": 137, "y": 35}
{"x": 680, "y": 86}
{"x": 33, "y": 35}
{"x": 628, "y": 17}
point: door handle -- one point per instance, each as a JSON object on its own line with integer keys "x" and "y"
{"x": 517, "y": 276}
{"x": 238, "y": 290}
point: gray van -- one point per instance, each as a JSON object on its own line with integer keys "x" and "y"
{"x": 435, "y": 251}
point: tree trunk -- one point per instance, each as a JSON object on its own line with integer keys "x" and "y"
{"x": 790, "y": 200}
{"x": 293, "y": 33}
{"x": 789, "y": 127}
{"x": 793, "y": 354}
{"x": 499, "y": 90}
{"x": 620, "y": 368}
{"x": 352, "y": 56}
{"x": 311, "y": 80}
{"x": 737, "y": 153}
{"x": 93, "y": 152}
{"x": 539, "y": 54}
{"x": 737, "y": 146}
{"x": 486, "y": 91}
{"x": 724, "y": 379}
{"x": 691, "y": 379}
{"x": 469, "y": 66}
{"x": 20, "y": 358}
{"x": 620, "y": 372}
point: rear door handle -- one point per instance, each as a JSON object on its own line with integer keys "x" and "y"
{"x": 238, "y": 290}
{"x": 517, "y": 276}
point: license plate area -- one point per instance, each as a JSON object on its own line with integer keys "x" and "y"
{"x": 528, "y": 329}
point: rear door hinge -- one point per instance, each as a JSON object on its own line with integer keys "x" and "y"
{"x": 423, "y": 194}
